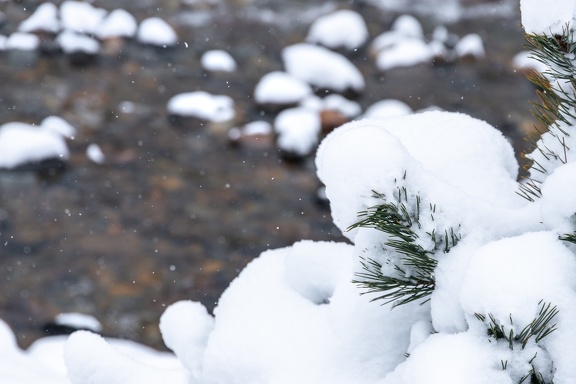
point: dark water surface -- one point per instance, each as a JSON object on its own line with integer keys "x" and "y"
{"x": 176, "y": 212}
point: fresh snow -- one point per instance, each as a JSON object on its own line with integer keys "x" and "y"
{"x": 322, "y": 68}
{"x": 155, "y": 31}
{"x": 218, "y": 60}
{"x": 22, "y": 41}
{"x": 81, "y": 17}
{"x": 339, "y": 29}
{"x": 118, "y": 23}
{"x": 72, "y": 42}
{"x": 545, "y": 18}
{"x": 298, "y": 130}
{"x": 280, "y": 88}
{"x": 203, "y": 105}
{"x": 44, "y": 18}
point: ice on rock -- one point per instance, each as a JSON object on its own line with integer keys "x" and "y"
{"x": 218, "y": 60}
{"x": 155, "y": 31}
{"x": 44, "y": 18}
{"x": 339, "y": 29}
{"x": 81, "y": 17}
{"x": 322, "y": 68}
{"x": 118, "y": 23}
{"x": 280, "y": 88}
{"x": 203, "y": 105}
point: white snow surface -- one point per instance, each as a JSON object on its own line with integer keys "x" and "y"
{"x": 203, "y": 105}
{"x": 280, "y": 88}
{"x": 72, "y": 42}
{"x": 81, "y": 17}
{"x": 547, "y": 18}
{"x": 118, "y": 23}
{"x": 293, "y": 314}
{"x": 155, "y": 31}
{"x": 387, "y": 108}
{"x": 470, "y": 45}
{"x": 22, "y": 143}
{"x": 44, "y": 18}
{"x": 298, "y": 129}
{"x": 322, "y": 68}
{"x": 218, "y": 60}
{"x": 22, "y": 41}
{"x": 339, "y": 29}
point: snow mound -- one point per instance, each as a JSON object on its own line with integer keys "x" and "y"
{"x": 118, "y": 23}
{"x": 203, "y": 105}
{"x": 280, "y": 88}
{"x": 218, "y": 60}
{"x": 339, "y": 29}
{"x": 322, "y": 68}
{"x": 155, "y": 31}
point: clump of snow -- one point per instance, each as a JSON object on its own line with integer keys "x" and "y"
{"x": 203, "y": 105}
{"x": 387, "y": 108}
{"x": 547, "y": 19}
{"x": 333, "y": 102}
{"x": 118, "y": 23}
{"x": 59, "y": 126}
{"x": 280, "y": 88}
{"x": 470, "y": 45}
{"x": 322, "y": 68}
{"x": 339, "y": 29}
{"x": 298, "y": 130}
{"x": 79, "y": 321}
{"x": 409, "y": 26}
{"x": 155, "y": 31}
{"x": 524, "y": 60}
{"x": 22, "y": 41}
{"x": 218, "y": 60}
{"x": 558, "y": 207}
{"x": 94, "y": 153}
{"x": 81, "y": 17}
{"x": 44, "y": 18}
{"x": 72, "y": 42}
{"x": 22, "y": 143}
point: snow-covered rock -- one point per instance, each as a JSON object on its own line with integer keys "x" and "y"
{"x": 73, "y": 42}
{"x": 95, "y": 154}
{"x": 203, "y": 105}
{"x": 22, "y": 143}
{"x": 524, "y": 61}
{"x": 387, "y": 108}
{"x": 280, "y": 88}
{"x": 470, "y": 45}
{"x": 22, "y": 41}
{"x": 406, "y": 52}
{"x": 298, "y": 130}
{"x": 81, "y": 17}
{"x": 118, "y": 23}
{"x": 322, "y": 68}
{"x": 339, "y": 29}
{"x": 218, "y": 60}
{"x": 155, "y": 31}
{"x": 44, "y": 18}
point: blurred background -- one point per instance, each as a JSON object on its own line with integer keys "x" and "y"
{"x": 175, "y": 208}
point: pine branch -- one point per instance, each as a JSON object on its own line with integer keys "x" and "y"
{"x": 554, "y": 111}
{"x": 569, "y": 237}
{"x": 400, "y": 220}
